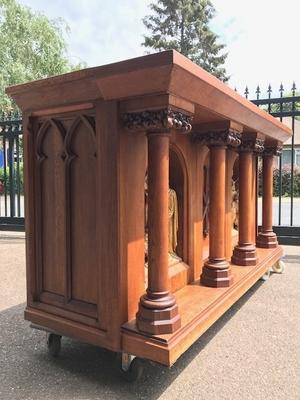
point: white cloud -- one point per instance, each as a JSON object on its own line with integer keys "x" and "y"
{"x": 261, "y": 35}
{"x": 264, "y": 49}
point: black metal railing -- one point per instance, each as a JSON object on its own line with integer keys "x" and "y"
{"x": 286, "y": 107}
{"x": 11, "y": 172}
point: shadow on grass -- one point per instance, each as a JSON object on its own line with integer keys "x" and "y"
{"x": 82, "y": 371}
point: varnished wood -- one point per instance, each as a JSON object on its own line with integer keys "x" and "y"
{"x": 267, "y": 238}
{"x": 173, "y": 74}
{"x": 158, "y": 311}
{"x": 197, "y": 316}
{"x": 89, "y": 138}
{"x": 245, "y": 252}
{"x": 216, "y": 272}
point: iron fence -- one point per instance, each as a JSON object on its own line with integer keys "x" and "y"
{"x": 11, "y": 172}
{"x": 286, "y": 107}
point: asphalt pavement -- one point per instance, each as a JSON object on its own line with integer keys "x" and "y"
{"x": 252, "y": 352}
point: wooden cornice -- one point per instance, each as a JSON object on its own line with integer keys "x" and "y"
{"x": 165, "y": 73}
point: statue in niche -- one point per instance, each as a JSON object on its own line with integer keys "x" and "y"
{"x": 235, "y": 206}
{"x": 173, "y": 225}
{"x": 205, "y": 203}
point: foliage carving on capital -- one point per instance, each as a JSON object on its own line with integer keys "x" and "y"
{"x": 275, "y": 150}
{"x": 252, "y": 144}
{"x": 228, "y": 137}
{"x": 158, "y": 120}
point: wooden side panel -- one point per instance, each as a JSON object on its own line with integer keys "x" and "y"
{"x": 30, "y": 208}
{"x": 66, "y": 198}
{"x": 81, "y": 147}
{"x": 52, "y": 217}
{"x": 133, "y": 156}
{"x": 110, "y": 294}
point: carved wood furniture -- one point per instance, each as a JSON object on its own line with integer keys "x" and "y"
{"x": 89, "y": 138}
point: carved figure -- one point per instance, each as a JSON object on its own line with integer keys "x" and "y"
{"x": 235, "y": 206}
{"x": 173, "y": 225}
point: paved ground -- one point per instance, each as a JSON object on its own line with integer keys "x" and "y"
{"x": 252, "y": 352}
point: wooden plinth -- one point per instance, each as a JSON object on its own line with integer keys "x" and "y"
{"x": 216, "y": 274}
{"x": 199, "y": 307}
{"x": 244, "y": 255}
{"x": 267, "y": 240}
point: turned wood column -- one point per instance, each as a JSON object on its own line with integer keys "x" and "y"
{"x": 158, "y": 312}
{"x": 216, "y": 271}
{"x": 267, "y": 238}
{"x": 245, "y": 251}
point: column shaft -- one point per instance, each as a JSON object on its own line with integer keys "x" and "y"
{"x": 158, "y": 312}
{"x": 245, "y": 252}
{"x": 216, "y": 272}
{"x": 267, "y": 238}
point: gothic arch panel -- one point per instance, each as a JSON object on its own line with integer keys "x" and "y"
{"x": 51, "y": 207}
{"x": 81, "y": 170}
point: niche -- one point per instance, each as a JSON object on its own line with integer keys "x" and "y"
{"x": 178, "y": 184}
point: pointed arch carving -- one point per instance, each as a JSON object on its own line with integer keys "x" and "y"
{"x": 43, "y": 131}
{"x": 89, "y": 123}
{"x": 50, "y": 192}
{"x": 81, "y": 184}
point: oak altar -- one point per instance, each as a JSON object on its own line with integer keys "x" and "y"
{"x": 129, "y": 171}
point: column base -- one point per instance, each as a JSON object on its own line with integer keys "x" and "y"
{"x": 216, "y": 273}
{"x": 244, "y": 255}
{"x": 267, "y": 240}
{"x": 158, "y": 316}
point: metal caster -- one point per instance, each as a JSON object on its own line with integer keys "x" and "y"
{"x": 278, "y": 267}
{"x": 266, "y": 275}
{"x": 130, "y": 367}
{"x": 54, "y": 344}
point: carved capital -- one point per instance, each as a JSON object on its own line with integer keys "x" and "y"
{"x": 158, "y": 120}
{"x": 270, "y": 151}
{"x": 228, "y": 137}
{"x": 252, "y": 144}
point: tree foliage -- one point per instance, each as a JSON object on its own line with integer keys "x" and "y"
{"x": 183, "y": 25}
{"x": 31, "y": 47}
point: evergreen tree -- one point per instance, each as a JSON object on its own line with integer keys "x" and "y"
{"x": 183, "y": 25}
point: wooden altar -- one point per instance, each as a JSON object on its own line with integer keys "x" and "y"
{"x": 90, "y": 139}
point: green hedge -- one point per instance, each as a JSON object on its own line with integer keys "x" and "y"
{"x": 5, "y": 180}
{"x": 286, "y": 177}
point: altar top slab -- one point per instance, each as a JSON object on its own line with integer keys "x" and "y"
{"x": 167, "y": 72}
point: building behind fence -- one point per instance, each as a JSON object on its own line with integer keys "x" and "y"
{"x": 285, "y": 107}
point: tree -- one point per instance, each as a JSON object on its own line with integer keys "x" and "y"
{"x": 183, "y": 25}
{"x": 31, "y": 47}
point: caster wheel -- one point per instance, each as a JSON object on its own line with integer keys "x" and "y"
{"x": 131, "y": 372}
{"x": 266, "y": 276}
{"x": 278, "y": 268}
{"x": 54, "y": 344}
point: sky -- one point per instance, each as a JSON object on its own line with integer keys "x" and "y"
{"x": 261, "y": 36}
